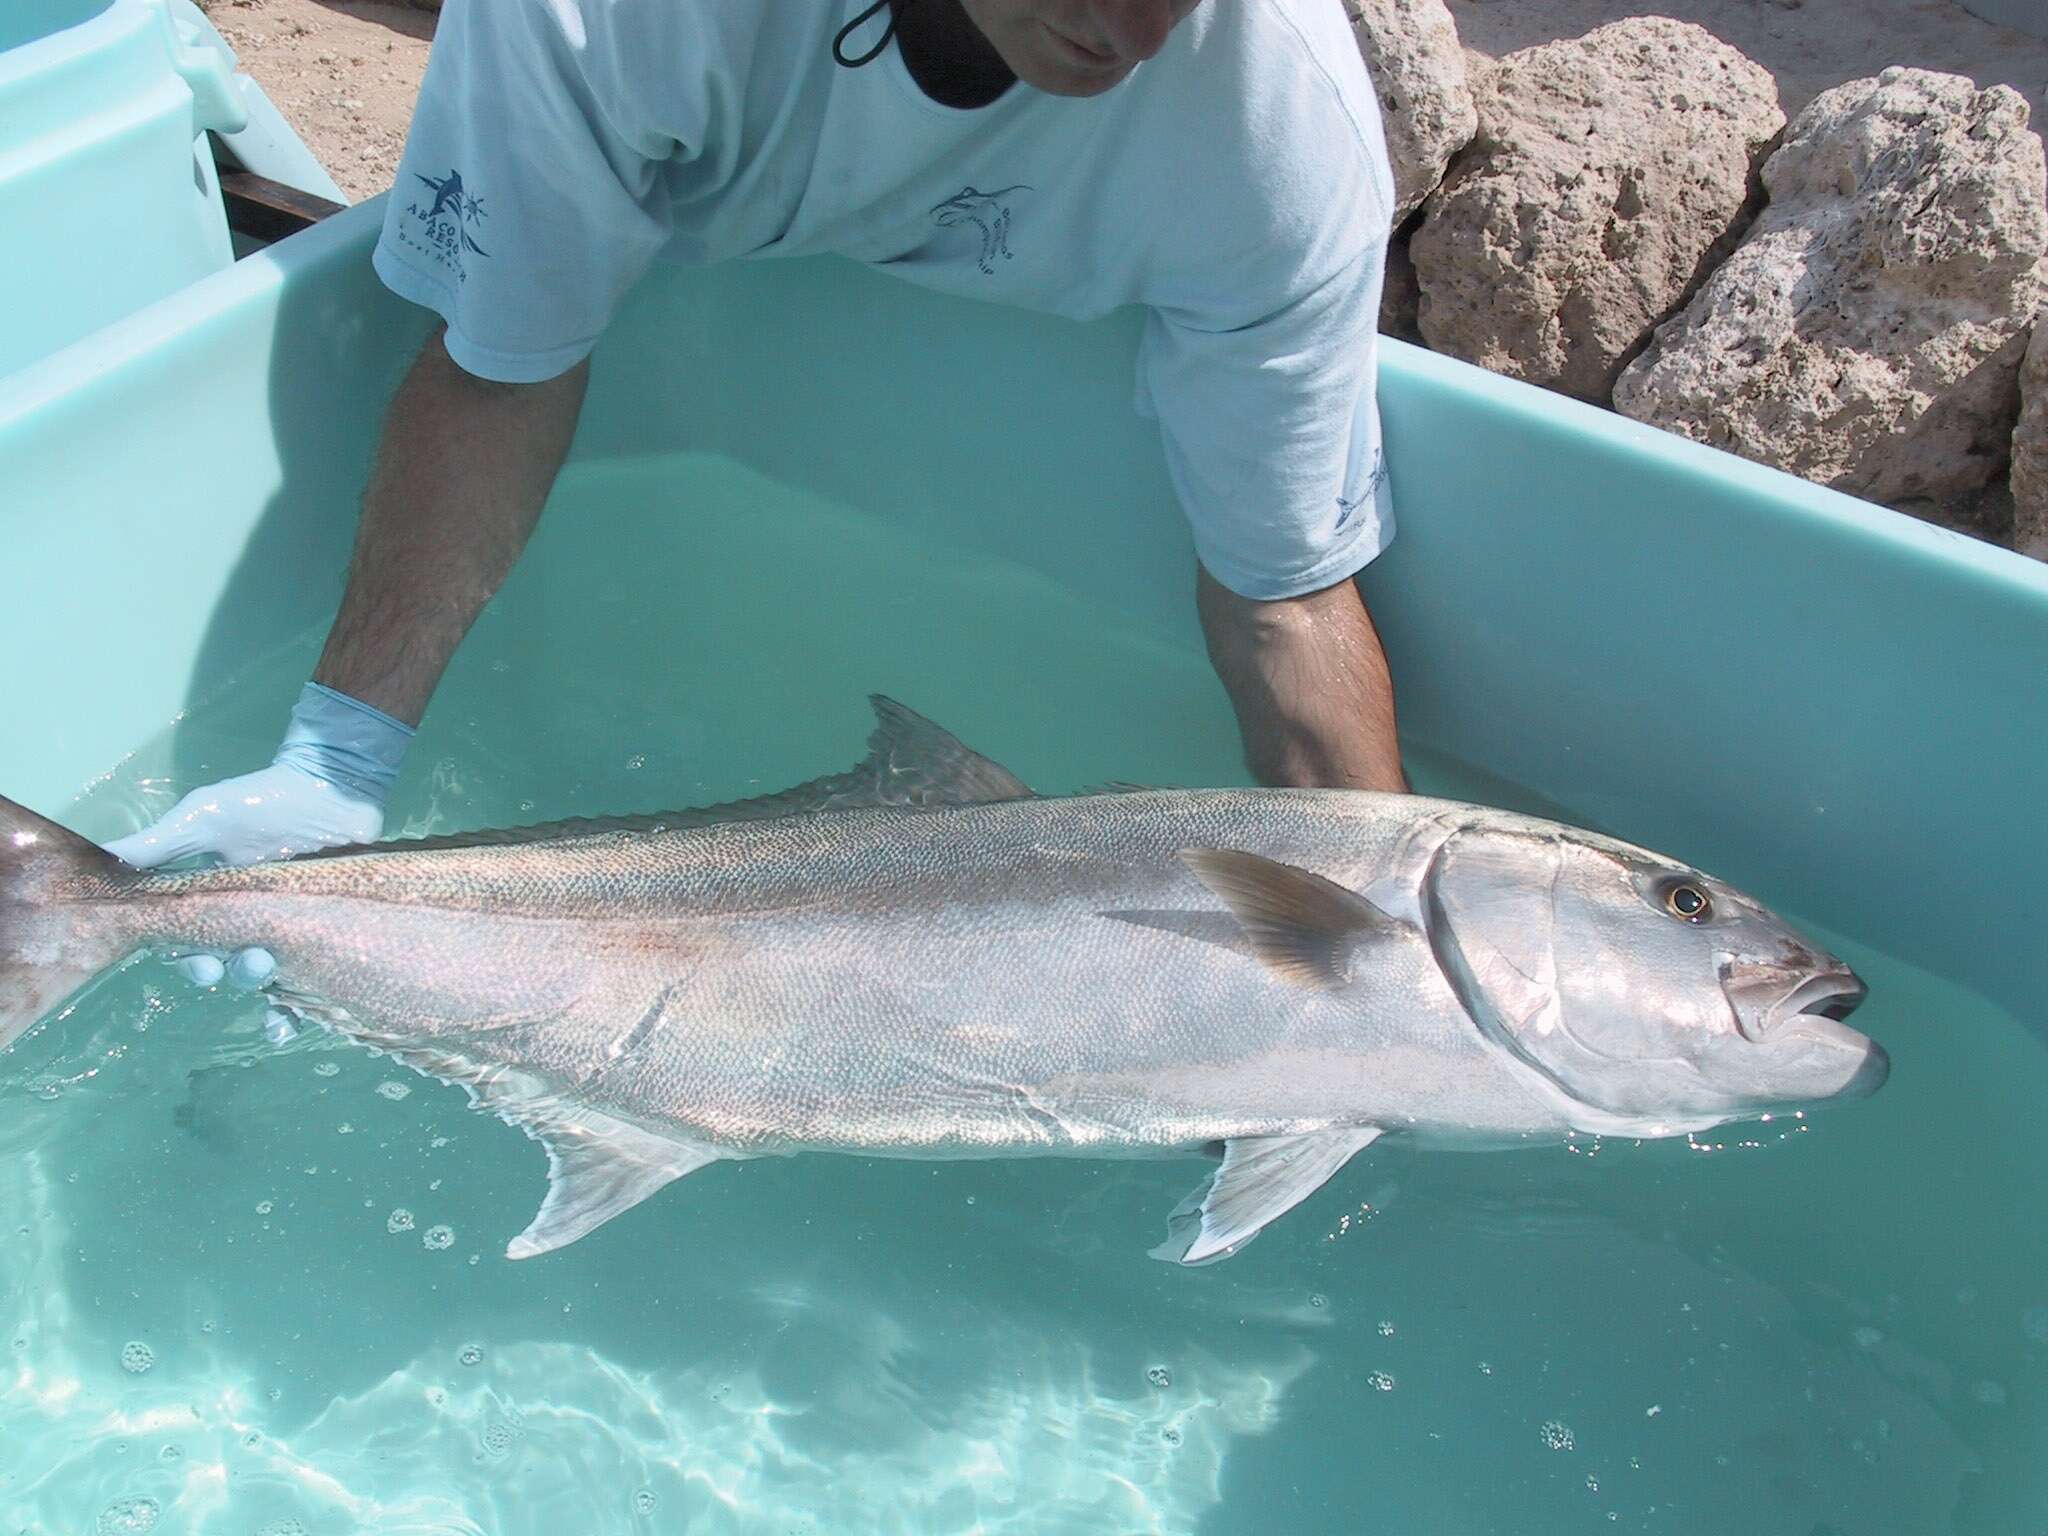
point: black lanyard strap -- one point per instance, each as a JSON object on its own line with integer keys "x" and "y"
{"x": 853, "y": 26}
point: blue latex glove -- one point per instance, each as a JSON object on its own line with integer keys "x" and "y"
{"x": 325, "y": 788}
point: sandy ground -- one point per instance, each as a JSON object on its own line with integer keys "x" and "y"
{"x": 345, "y": 72}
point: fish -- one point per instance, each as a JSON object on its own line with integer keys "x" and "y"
{"x": 922, "y": 958}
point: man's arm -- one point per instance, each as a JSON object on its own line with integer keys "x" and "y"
{"x": 1314, "y": 698}
{"x": 463, "y": 471}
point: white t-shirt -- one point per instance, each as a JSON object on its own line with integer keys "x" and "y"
{"x": 1236, "y": 185}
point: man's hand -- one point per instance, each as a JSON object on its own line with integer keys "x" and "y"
{"x": 326, "y": 788}
{"x": 270, "y": 814}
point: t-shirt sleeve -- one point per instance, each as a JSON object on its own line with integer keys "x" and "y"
{"x": 1260, "y": 353}
{"x": 531, "y": 194}
{"x": 1272, "y": 437}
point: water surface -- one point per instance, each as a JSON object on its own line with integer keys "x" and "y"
{"x": 251, "y": 1288}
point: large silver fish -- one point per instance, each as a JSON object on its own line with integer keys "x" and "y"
{"x": 919, "y": 958}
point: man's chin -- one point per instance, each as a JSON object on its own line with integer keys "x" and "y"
{"x": 1059, "y": 81}
{"x": 1060, "y": 77}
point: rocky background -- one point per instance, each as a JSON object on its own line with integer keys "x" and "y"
{"x": 1626, "y": 215}
{"x": 1812, "y": 232}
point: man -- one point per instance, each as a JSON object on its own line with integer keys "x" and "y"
{"x": 1222, "y": 165}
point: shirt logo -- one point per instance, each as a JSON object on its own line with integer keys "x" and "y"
{"x": 446, "y": 221}
{"x": 1346, "y": 505}
{"x": 987, "y": 212}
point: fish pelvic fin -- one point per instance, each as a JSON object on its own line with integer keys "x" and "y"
{"x": 1303, "y": 927}
{"x": 911, "y": 762}
{"x": 1262, "y": 1177}
{"x": 56, "y": 932}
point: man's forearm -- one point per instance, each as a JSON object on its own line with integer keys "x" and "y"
{"x": 461, "y": 476}
{"x": 1313, "y": 694}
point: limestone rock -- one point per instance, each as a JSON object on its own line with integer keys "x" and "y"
{"x": 1868, "y": 332}
{"x": 2030, "y": 450}
{"x": 1610, "y": 173}
{"x": 1418, "y": 72}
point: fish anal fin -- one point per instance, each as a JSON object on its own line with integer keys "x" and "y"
{"x": 1262, "y": 1177}
{"x": 1304, "y": 927}
{"x": 599, "y": 1166}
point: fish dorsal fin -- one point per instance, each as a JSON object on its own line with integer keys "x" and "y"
{"x": 911, "y": 762}
{"x": 1305, "y": 928}
{"x": 1262, "y": 1177}
{"x": 599, "y": 1166}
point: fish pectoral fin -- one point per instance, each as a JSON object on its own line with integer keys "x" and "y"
{"x": 599, "y": 1167}
{"x": 1262, "y": 1177}
{"x": 1305, "y": 928}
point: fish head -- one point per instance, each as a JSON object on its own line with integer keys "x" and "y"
{"x": 1655, "y": 996}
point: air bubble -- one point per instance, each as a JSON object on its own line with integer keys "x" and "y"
{"x": 1380, "y": 1381}
{"x": 399, "y": 1220}
{"x": 439, "y": 1237}
{"x": 1159, "y": 1376}
{"x": 643, "y": 1501}
{"x": 471, "y": 1354}
{"x": 125, "y": 1516}
{"x": 1557, "y": 1435}
{"x": 394, "y": 1090}
{"x": 137, "y": 1357}
{"x": 326, "y": 1069}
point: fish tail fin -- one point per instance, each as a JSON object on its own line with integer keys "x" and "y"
{"x": 52, "y": 941}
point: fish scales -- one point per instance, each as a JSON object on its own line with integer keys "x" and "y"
{"x": 921, "y": 958}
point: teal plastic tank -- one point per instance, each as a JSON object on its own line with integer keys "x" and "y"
{"x": 109, "y": 199}
{"x": 1652, "y": 633}
{"x": 251, "y": 1284}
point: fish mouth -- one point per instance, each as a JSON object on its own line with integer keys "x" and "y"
{"x": 1763, "y": 1002}
{"x": 1832, "y": 995}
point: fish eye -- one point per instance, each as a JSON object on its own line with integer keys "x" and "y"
{"x": 1687, "y": 902}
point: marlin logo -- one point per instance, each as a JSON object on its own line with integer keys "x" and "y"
{"x": 454, "y": 203}
{"x": 987, "y": 213}
{"x": 1346, "y": 505}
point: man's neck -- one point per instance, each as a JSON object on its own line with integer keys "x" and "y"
{"x": 946, "y": 54}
